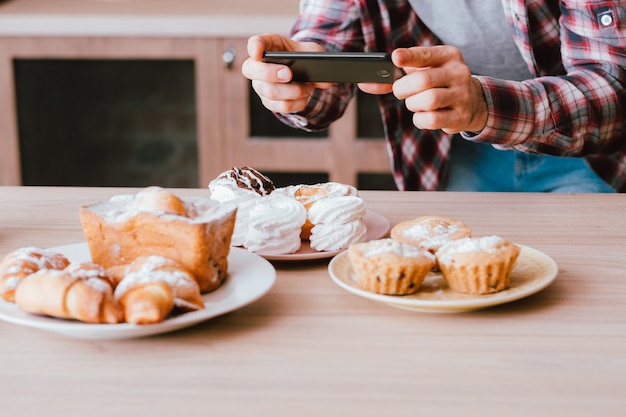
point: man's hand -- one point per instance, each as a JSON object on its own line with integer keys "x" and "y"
{"x": 272, "y": 81}
{"x": 439, "y": 89}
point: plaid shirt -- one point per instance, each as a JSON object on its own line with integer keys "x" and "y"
{"x": 575, "y": 105}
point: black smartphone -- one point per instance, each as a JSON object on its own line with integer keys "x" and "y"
{"x": 348, "y": 67}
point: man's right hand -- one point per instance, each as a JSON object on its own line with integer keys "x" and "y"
{"x": 272, "y": 82}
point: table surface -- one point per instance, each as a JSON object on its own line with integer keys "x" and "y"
{"x": 310, "y": 348}
{"x": 145, "y": 17}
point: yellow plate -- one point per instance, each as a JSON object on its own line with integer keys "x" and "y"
{"x": 533, "y": 271}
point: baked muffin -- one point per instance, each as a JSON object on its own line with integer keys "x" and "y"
{"x": 478, "y": 265}
{"x": 429, "y": 232}
{"x": 386, "y": 266}
{"x": 194, "y": 231}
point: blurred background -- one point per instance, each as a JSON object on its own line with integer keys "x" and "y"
{"x": 150, "y": 92}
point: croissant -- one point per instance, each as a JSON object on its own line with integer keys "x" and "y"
{"x": 81, "y": 291}
{"x": 153, "y": 286}
{"x": 20, "y": 263}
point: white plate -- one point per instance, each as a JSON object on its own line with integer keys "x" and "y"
{"x": 377, "y": 227}
{"x": 249, "y": 278}
{"x": 533, "y": 271}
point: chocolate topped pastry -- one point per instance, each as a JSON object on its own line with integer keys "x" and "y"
{"x": 237, "y": 181}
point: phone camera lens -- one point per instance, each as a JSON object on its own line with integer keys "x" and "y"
{"x": 383, "y": 73}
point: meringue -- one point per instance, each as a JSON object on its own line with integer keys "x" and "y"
{"x": 274, "y": 225}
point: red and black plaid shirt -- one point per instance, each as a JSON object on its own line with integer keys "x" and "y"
{"x": 575, "y": 105}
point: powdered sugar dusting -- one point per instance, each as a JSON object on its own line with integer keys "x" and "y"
{"x": 148, "y": 271}
{"x": 382, "y": 246}
{"x": 486, "y": 244}
{"x": 432, "y": 232}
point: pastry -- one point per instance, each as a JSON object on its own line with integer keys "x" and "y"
{"x": 152, "y": 286}
{"x": 241, "y": 186}
{"x": 429, "y": 232}
{"x": 245, "y": 204}
{"x": 478, "y": 265}
{"x": 80, "y": 292}
{"x": 240, "y": 181}
{"x": 307, "y": 194}
{"x": 386, "y": 266}
{"x": 275, "y": 225}
{"x": 195, "y": 232}
{"x": 20, "y": 263}
{"x": 337, "y": 222}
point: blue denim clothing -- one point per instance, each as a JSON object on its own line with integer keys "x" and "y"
{"x": 481, "y": 167}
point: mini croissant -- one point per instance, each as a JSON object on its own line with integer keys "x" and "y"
{"x": 81, "y": 291}
{"x": 152, "y": 286}
{"x": 17, "y": 265}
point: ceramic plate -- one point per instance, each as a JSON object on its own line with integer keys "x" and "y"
{"x": 533, "y": 271}
{"x": 377, "y": 227}
{"x": 249, "y": 278}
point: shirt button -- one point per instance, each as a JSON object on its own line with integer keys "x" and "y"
{"x": 606, "y": 19}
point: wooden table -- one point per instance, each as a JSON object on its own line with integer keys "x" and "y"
{"x": 310, "y": 348}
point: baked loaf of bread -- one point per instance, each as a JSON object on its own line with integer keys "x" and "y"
{"x": 478, "y": 265}
{"x": 20, "y": 263}
{"x": 81, "y": 291}
{"x": 195, "y": 232}
{"x": 152, "y": 286}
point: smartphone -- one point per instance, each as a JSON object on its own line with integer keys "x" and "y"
{"x": 340, "y": 67}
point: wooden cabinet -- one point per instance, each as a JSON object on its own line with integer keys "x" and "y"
{"x": 194, "y": 31}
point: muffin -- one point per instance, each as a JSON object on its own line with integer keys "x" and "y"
{"x": 386, "y": 266}
{"x": 429, "y": 232}
{"x": 478, "y": 265}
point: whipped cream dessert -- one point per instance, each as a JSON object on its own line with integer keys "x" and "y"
{"x": 238, "y": 182}
{"x": 337, "y": 222}
{"x": 242, "y": 187}
{"x": 274, "y": 225}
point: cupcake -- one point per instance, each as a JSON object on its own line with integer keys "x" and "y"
{"x": 386, "y": 266}
{"x": 429, "y": 232}
{"x": 478, "y": 265}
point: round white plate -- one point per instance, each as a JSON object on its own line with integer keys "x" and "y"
{"x": 249, "y": 278}
{"x": 377, "y": 227}
{"x": 533, "y": 271}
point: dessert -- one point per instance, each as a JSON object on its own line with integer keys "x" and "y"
{"x": 17, "y": 265}
{"x": 307, "y": 194}
{"x": 240, "y": 181}
{"x": 478, "y": 265}
{"x": 195, "y": 232}
{"x": 275, "y": 225}
{"x": 81, "y": 291}
{"x": 386, "y": 266}
{"x": 429, "y": 232}
{"x": 337, "y": 222}
{"x": 241, "y": 186}
{"x": 152, "y": 286}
